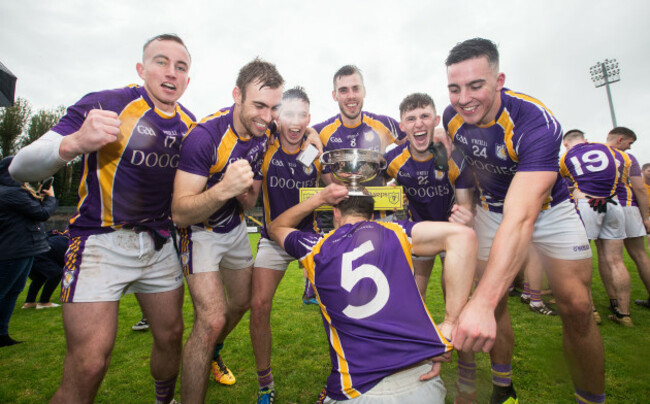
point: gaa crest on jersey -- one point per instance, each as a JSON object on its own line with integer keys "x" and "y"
{"x": 308, "y": 170}
{"x": 501, "y": 151}
{"x": 68, "y": 278}
{"x": 439, "y": 175}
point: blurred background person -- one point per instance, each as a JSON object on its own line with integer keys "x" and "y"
{"x": 21, "y": 238}
{"x": 46, "y": 271}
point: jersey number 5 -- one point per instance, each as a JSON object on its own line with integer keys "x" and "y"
{"x": 351, "y": 276}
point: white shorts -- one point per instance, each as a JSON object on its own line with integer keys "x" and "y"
{"x": 402, "y": 387}
{"x": 103, "y": 267}
{"x": 609, "y": 225}
{"x": 270, "y": 255}
{"x": 559, "y": 232}
{"x": 633, "y": 222}
{"x": 204, "y": 251}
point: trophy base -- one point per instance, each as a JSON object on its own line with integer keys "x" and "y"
{"x": 386, "y": 198}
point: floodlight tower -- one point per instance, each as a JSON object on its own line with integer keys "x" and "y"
{"x": 603, "y": 74}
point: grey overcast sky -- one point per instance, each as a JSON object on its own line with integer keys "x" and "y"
{"x": 61, "y": 50}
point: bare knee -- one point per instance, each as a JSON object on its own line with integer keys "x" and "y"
{"x": 239, "y": 308}
{"x": 89, "y": 367}
{"x": 210, "y": 326}
{"x": 171, "y": 335}
{"x": 260, "y": 305}
{"x": 576, "y": 313}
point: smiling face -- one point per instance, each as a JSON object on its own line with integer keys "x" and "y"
{"x": 349, "y": 93}
{"x": 254, "y": 113}
{"x": 164, "y": 69}
{"x": 419, "y": 124}
{"x": 474, "y": 90}
{"x": 294, "y": 119}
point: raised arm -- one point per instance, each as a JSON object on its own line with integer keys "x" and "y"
{"x": 192, "y": 203}
{"x": 52, "y": 151}
{"x": 284, "y": 224}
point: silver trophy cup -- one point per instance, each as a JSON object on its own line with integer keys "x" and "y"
{"x": 354, "y": 166}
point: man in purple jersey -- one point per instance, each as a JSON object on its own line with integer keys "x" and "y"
{"x": 353, "y": 127}
{"x": 633, "y": 197}
{"x": 512, "y": 142}
{"x": 382, "y": 338}
{"x": 429, "y": 191}
{"x": 594, "y": 171}
{"x": 130, "y": 141}
{"x": 211, "y": 190}
{"x": 280, "y": 178}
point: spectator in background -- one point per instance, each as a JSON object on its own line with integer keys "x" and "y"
{"x": 46, "y": 271}
{"x": 21, "y": 238}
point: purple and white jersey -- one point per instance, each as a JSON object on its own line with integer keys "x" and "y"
{"x": 128, "y": 182}
{"x": 375, "y": 132}
{"x": 525, "y": 136}
{"x": 628, "y": 167}
{"x": 592, "y": 167}
{"x": 430, "y": 192}
{"x": 374, "y": 318}
{"x": 282, "y": 177}
{"x": 208, "y": 150}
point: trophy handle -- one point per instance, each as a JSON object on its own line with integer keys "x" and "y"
{"x": 324, "y": 160}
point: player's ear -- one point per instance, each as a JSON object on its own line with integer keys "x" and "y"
{"x": 236, "y": 95}
{"x": 501, "y": 81}
{"x": 334, "y": 95}
{"x": 139, "y": 67}
{"x": 437, "y": 121}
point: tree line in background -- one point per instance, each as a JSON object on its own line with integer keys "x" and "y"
{"x": 19, "y": 126}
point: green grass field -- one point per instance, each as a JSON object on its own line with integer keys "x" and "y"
{"x": 30, "y": 372}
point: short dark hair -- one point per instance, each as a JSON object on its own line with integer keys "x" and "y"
{"x": 415, "y": 100}
{"x": 347, "y": 70}
{"x": 623, "y": 131}
{"x": 261, "y": 71}
{"x": 296, "y": 93}
{"x": 474, "y": 48}
{"x": 357, "y": 205}
{"x": 573, "y": 134}
{"x": 165, "y": 37}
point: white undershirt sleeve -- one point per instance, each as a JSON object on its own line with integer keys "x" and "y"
{"x": 38, "y": 160}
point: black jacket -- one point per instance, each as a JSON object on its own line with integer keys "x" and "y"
{"x": 20, "y": 216}
{"x": 50, "y": 264}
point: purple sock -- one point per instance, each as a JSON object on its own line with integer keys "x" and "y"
{"x": 265, "y": 378}
{"x": 501, "y": 374}
{"x": 584, "y": 397}
{"x": 466, "y": 376}
{"x": 165, "y": 390}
